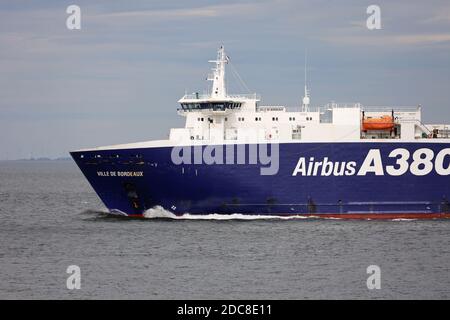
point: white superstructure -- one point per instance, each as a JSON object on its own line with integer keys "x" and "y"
{"x": 219, "y": 117}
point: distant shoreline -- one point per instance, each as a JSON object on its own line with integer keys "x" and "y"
{"x": 38, "y": 159}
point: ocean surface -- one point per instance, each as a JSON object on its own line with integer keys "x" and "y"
{"x": 51, "y": 219}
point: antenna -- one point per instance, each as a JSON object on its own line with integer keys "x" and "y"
{"x": 306, "y": 57}
{"x": 306, "y": 99}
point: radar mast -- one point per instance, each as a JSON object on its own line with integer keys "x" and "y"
{"x": 306, "y": 99}
{"x": 218, "y": 89}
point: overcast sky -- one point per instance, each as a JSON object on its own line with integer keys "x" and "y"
{"x": 118, "y": 79}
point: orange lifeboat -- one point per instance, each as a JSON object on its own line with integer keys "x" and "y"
{"x": 382, "y": 123}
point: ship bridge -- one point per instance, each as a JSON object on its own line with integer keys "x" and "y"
{"x": 218, "y": 100}
{"x": 197, "y": 102}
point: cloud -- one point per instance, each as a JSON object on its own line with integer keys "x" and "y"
{"x": 421, "y": 39}
{"x": 210, "y": 11}
{"x": 393, "y": 41}
{"x": 438, "y": 16}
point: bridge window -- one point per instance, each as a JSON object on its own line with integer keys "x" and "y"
{"x": 217, "y": 106}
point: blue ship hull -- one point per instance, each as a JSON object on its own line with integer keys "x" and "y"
{"x": 132, "y": 181}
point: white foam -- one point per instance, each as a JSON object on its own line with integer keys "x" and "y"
{"x": 159, "y": 212}
{"x": 117, "y": 212}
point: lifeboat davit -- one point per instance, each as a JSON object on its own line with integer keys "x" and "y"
{"x": 381, "y": 123}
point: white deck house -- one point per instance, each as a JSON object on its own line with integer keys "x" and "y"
{"x": 225, "y": 118}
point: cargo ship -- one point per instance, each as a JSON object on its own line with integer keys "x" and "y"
{"x": 237, "y": 156}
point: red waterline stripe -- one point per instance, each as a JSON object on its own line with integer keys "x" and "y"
{"x": 379, "y": 216}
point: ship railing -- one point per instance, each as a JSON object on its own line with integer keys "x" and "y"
{"x": 289, "y": 109}
{"x": 301, "y": 110}
{"x": 390, "y": 108}
{"x": 195, "y": 96}
{"x": 332, "y": 105}
{"x": 430, "y": 130}
{"x": 271, "y": 108}
{"x": 443, "y": 133}
{"x": 249, "y": 96}
{"x": 436, "y": 131}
